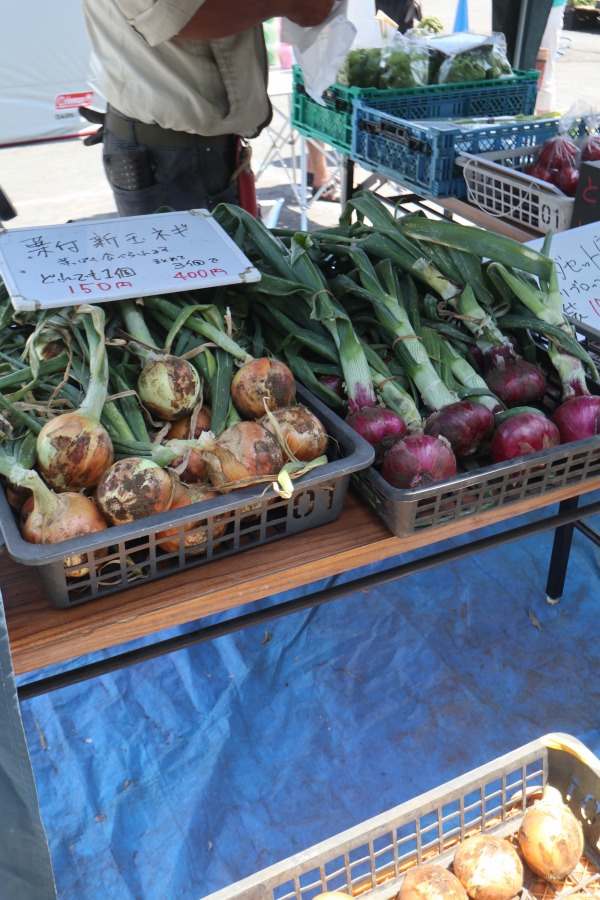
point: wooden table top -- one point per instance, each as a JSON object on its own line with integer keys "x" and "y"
{"x": 41, "y": 635}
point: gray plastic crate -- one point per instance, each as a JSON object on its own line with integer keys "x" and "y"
{"x": 128, "y": 555}
{"x": 483, "y": 489}
{"x": 371, "y": 859}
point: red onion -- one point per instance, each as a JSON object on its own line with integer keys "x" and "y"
{"x": 335, "y": 383}
{"x": 465, "y": 425}
{"x": 523, "y": 433}
{"x": 515, "y": 381}
{"x": 578, "y": 418}
{"x": 418, "y": 460}
{"x": 379, "y": 426}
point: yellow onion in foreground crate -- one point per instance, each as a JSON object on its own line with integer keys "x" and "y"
{"x": 196, "y": 533}
{"x": 431, "y": 882}
{"x": 299, "y": 430}
{"x": 332, "y": 895}
{"x": 488, "y": 867}
{"x": 550, "y": 837}
{"x": 133, "y": 488}
{"x": 244, "y": 450}
{"x": 262, "y": 381}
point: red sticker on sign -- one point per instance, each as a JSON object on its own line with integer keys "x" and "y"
{"x": 70, "y": 101}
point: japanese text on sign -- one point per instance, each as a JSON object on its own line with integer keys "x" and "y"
{"x": 117, "y": 258}
{"x": 577, "y": 256}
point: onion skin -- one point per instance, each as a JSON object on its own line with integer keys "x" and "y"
{"x": 379, "y": 426}
{"x": 262, "y": 381}
{"x": 418, "y": 460}
{"x": 169, "y": 387}
{"x": 431, "y": 882}
{"x": 132, "y": 489}
{"x": 303, "y": 432}
{"x": 489, "y": 868}
{"x": 578, "y": 418}
{"x": 465, "y": 425}
{"x": 516, "y": 382}
{"x": 244, "y": 450}
{"x": 550, "y": 837}
{"x": 184, "y": 495}
{"x": 521, "y": 434}
{"x": 73, "y": 451}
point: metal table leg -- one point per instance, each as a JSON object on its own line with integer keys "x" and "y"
{"x": 561, "y": 549}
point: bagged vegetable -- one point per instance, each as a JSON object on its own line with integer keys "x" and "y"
{"x": 406, "y": 63}
{"x": 483, "y": 60}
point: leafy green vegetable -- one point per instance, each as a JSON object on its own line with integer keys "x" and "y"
{"x": 361, "y": 68}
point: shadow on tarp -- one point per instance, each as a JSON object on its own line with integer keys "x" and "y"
{"x": 176, "y": 777}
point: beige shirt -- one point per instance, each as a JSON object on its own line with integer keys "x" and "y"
{"x": 202, "y": 87}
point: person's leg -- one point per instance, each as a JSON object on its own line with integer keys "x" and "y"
{"x": 318, "y": 172}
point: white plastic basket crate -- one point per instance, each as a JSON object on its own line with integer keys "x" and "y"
{"x": 370, "y": 860}
{"x": 497, "y": 186}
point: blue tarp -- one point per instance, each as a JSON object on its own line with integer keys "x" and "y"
{"x": 176, "y": 777}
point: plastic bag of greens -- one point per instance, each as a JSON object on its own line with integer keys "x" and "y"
{"x": 361, "y": 68}
{"x": 478, "y": 62}
{"x": 406, "y": 63}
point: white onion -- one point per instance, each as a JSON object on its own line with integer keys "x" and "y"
{"x": 488, "y": 867}
{"x": 431, "y": 882}
{"x": 550, "y": 837}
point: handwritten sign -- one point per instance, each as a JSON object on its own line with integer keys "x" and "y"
{"x": 111, "y": 259}
{"x": 576, "y": 253}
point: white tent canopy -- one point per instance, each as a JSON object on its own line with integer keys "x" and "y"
{"x": 46, "y": 71}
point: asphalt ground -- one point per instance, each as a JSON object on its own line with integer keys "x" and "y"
{"x": 52, "y": 182}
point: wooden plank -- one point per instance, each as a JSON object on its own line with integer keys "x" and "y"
{"x": 41, "y": 635}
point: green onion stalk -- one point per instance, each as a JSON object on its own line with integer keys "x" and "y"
{"x": 168, "y": 385}
{"x": 295, "y": 266}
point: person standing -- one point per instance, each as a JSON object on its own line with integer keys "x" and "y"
{"x": 546, "y": 98}
{"x": 183, "y": 79}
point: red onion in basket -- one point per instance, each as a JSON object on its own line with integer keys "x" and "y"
{"x": 523, "y": 433}
{"x": 379, "y": 426}
{"x": 578, "y": 418}
{"x": 465, "y": 425}
{"x": 515, "y": 381}
{"x": 418, "y": 460}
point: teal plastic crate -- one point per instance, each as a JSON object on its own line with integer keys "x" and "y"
{"x": 422, "y": 155}
{"x": 332, "y": 122}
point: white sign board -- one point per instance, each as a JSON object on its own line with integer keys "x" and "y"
{"x": 116, "y": 258}
{"x": 576, "y": 253}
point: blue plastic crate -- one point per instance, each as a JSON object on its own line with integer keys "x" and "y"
{"x": 332, "y": 121}
{"x": 422, "y": 155}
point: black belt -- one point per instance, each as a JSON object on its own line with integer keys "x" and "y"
{"x": 162, "y": 137}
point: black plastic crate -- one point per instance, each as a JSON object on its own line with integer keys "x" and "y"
{"x": 127, "y": 555}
